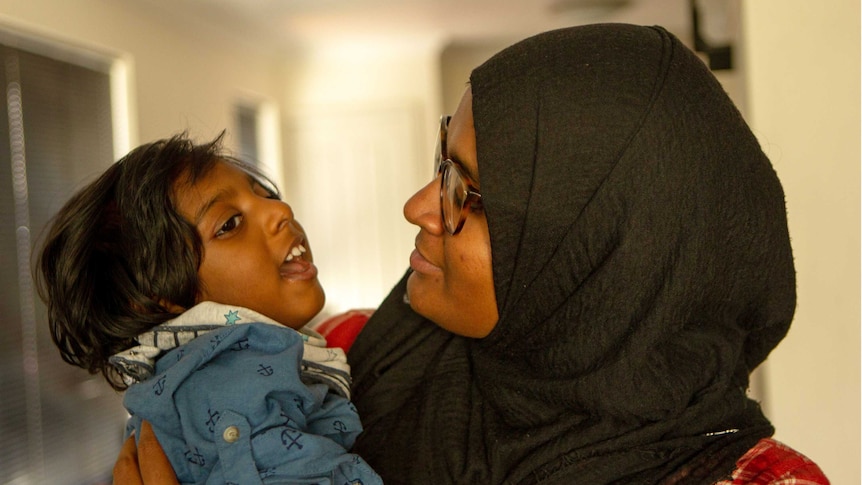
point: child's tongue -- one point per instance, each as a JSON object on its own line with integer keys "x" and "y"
{"x": 296, "y": 267}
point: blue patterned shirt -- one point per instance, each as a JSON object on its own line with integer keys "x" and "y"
{"x": 231, "y": 400}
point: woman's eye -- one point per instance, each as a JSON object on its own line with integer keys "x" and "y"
{"x": 229, "y": 225}
{"x": 476, "y": 205}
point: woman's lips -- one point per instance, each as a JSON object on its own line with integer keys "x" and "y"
{"x": 421, "y": 265}
{"x": 298, "y": 269}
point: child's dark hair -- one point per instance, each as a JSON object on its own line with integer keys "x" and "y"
{"x": 118, "y": 252}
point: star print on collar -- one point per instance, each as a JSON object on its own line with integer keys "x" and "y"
{"x": 232, "y": 317}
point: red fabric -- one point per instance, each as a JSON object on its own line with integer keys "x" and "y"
{"x": 341, "y": 330}
{"x": 773, "y": 463}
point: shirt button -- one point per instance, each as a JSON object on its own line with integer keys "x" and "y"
{"x": 231, "y": 434}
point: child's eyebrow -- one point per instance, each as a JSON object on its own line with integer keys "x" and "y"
{"x": 218, "y": 197}
{"x": 255, "y": 182}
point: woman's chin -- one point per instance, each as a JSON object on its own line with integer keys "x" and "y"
{"x": 414, "y": 295}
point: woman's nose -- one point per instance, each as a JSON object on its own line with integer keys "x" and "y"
{"x": 423, "y": 208}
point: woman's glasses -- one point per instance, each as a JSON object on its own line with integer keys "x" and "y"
{"x": 456, "y": 192}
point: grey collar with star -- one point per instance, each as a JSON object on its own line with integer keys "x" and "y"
{"x": 137, "y": 364}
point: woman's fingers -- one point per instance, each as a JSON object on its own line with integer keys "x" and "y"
{"x": 155, "y": 467}
{"x": 144, "y": 464}
{"x": 126, "y": 471}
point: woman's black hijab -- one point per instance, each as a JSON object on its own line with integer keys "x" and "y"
{"x": 642, "y": 269}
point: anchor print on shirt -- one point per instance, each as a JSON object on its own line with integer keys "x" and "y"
{"x": 215, "y": 341}
{"x": 291, "y": 438}
{"x": 195, "y": 457}
{"x": 214, "y": 417}
{"x": 241, "y": 344}
{"x": 159, "y": 386}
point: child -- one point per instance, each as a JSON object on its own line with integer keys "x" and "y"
{"x": 181, "y": 276}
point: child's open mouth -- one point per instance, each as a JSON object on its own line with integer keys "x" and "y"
{"x": 295, "y": 267}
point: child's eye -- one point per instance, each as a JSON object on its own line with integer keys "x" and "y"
{"x": 229, "y": 225}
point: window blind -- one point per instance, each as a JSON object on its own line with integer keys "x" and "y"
{"x": 59, "y": 424}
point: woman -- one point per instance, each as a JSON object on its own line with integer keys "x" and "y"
{"x": 641, "y": 265}
{"x": 598, "y": 269}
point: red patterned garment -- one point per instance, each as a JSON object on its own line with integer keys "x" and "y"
{"x": 341, "y": 330}
{"x": 771, "y": 462}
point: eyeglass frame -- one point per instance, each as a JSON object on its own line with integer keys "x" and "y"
{"x": 443, "y": 164}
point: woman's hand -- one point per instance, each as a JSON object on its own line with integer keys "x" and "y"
{"x": 144, "y": 464}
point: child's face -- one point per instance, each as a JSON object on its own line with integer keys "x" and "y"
{"x": 255, "y": 252}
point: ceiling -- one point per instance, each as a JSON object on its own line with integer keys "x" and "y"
{"x": 289, "y": 22}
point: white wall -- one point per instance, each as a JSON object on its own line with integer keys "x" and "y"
{"x": 184, "y": 75}
{"x": 359, "y": 132}
{"x": 802, "y": 70}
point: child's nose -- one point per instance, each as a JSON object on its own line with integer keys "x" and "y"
{"x": 280, "y": 216}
